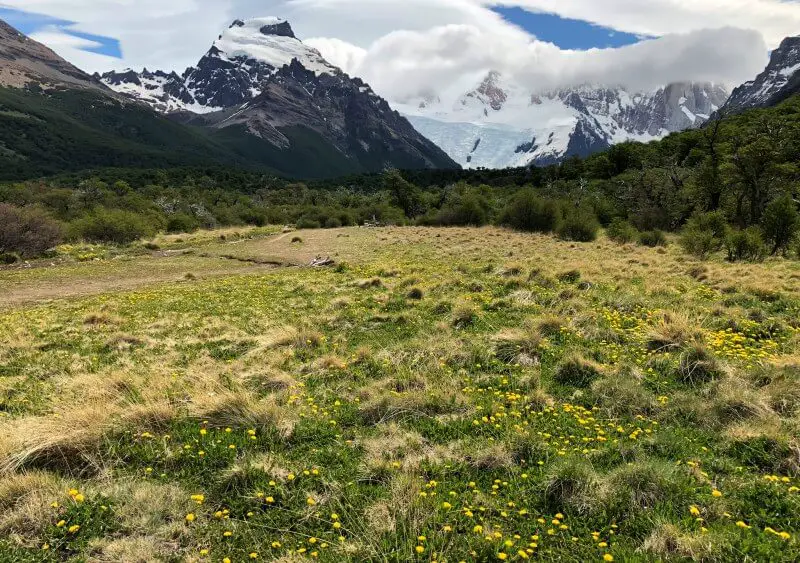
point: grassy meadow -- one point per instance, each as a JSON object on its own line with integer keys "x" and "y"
{"x": 437, "y": 395}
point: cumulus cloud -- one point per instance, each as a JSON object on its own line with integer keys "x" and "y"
{"x": 405, "y": 48}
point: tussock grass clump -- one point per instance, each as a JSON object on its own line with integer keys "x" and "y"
{"x": 622, "y": 393}
{"x": 464, "y": 315}
{"x": 25, "y": 511}
{"x": 698, "y": 366}
{"x": 736, "y": 401}
{"x": 68, "y": 444}
{"x": 415, "y": 293}
{"x": 667, "y": 541}
{"x": 100, "y": 319}
{"x": 370, "y": 283}
{"x": 576, "y": 371}
{"x": 569, "y": 276}
{"x": 242, "y": 410}
{"x": 673, "y": 331}
{"x": 519, "y": 346}
{"x": 302, "y": 338}
{"x": 641, "y": 486}
{"x": 551, "y": 325}
{"x": 572, "y": 486}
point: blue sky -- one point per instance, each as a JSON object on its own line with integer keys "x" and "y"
{"x": 563, "y": 32}
{"x": 566, "y": 33}
{"x": 28, "y": 23}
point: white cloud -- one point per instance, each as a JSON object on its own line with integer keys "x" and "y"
{"x": 774, "y": 19}
{"x": 73, "y": 48}
{"x": 404, "y": 47}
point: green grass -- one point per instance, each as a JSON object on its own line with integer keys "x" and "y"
{"x": 299, "y": 412}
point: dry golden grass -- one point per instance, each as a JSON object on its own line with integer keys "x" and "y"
{"x": 25, "y": 501}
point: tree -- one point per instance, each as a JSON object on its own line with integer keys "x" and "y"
{"x": 780, "y": 223}
{"x": 405, "y": 195}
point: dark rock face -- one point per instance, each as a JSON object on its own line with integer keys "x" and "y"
{"x": 779, "y": 81}
{"x": 282, "y": 29}
{"x": 343, "y": 110}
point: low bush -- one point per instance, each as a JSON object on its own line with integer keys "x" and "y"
{"x": 622, "y": 231}
{"x": 746, "y": 245}
{"x": 305, "y": 223}
{"x": 653, "y": 238}
{"x": 528, "y": 212}
{"x": 113, "y": 226}
{"x": 27, "y": 232}
{"x": 580, "y": 225}
{"x": 182, "y": 223}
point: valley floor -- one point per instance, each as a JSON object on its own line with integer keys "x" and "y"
{"x": 436, "y": 395}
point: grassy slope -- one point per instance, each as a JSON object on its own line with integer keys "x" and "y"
{"x": 339, "y": 414}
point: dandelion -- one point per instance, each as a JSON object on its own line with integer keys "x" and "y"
{"x": 608, "y": 557}
{"x": 716, "y": 493}
{"x": 420, "y": 549}
{"x": 190, "y": 517}
{"x": 74, "y": 528}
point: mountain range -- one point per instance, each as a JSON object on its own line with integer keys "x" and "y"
{"x": 261, "y": 98}
{"x": 501, "y": 124}
{"x": 258, "y": 77}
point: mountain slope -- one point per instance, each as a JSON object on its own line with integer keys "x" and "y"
{"x": 259, "y": 78}
{"x": 779, "y": 81}
{"x": 500, "y": 124}
{"x": 24, "y": 61}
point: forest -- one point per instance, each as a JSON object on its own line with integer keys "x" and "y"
{"x": 733, "y": 184}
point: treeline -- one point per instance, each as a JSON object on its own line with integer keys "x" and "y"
{"x": 732, "y": 187}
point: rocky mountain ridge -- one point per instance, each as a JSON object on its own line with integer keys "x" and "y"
{"x": 260, "y": 77}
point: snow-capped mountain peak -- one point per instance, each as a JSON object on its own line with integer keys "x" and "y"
{"x": 270, "y": 41}
{"x": 500, "y": 123}
{"x": 232, "y": 72}
{"x": 780, "y": 79}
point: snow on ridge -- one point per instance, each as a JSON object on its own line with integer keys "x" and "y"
{"x": 248, "y": 41}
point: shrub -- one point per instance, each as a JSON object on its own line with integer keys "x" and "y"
{"x": 27, "y": 231}
{"x": 528, "y": 212}
{"x": 653, "y": 238}
{"x": 781, "y": 222}
{"x": 182, "y": 223}
{"x": 699, "y": 243}
{"x": 577, "y": 372}
{"x": 580, "y": 225}
{"x": 7, "y": 258}
{"x": 333, "y": 223}
{"x": 622, "y": 231}
{"x": 112, "y": 225}
{"x": 467, "y": 208}
{"x": 745, "y": 245}
{"x": 704, "y": 234}
{"x": 305, "y": 223}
